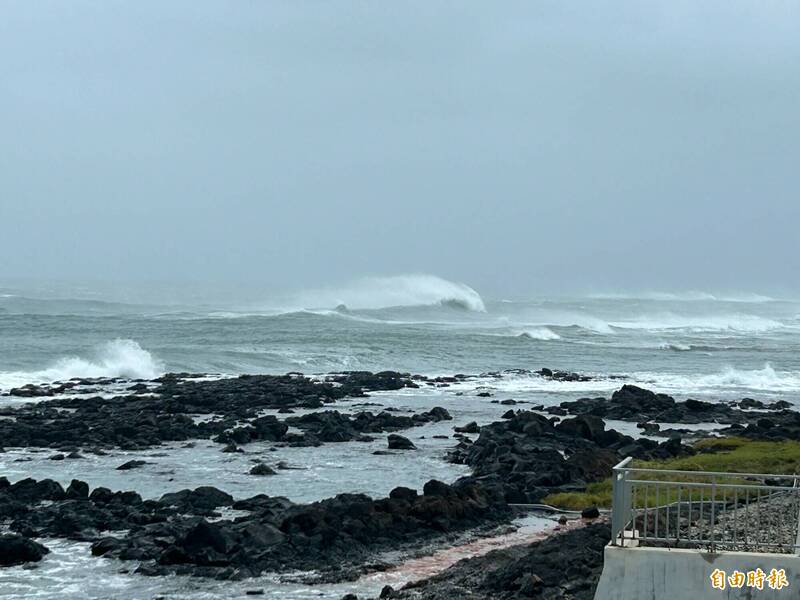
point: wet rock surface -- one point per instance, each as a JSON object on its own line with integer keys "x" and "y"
{"x": 340, "y": 532}
{"x": 564, "y": 566}
{"x": 528, "y": 456}
{"x": 517, "y": 460}
{"x": 173, "y": 534}
{"x": 164, "y": 412}
{"x": 632, "y": 403}
{"x": 327, "y": 426}
{"x": 16, "y": 550}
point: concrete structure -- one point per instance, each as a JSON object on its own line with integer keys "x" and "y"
{"x": 690, "y": 535}
{"x": 642, "y": 573}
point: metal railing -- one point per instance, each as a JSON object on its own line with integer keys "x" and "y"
{"x": 712, "y": 511}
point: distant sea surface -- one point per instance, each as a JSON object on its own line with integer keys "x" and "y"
{"x": 688, "y": 343}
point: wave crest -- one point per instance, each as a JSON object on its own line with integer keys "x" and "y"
{"x": 400, "y": 290}
{"x": 675, "y": 347}
{"x": 117, "y": 358}
{"x": 539, "y": 333}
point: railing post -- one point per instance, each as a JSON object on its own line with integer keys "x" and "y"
{"x": 620, "y": 507}
{"x": 616, "y": 506}
{"x": 713, "y": 513}
{"x": 709, "y": 529}
{"x": 797, "y": 509}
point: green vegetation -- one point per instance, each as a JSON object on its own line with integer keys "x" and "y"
{"x": 736, "y": 455}
{"x": 596, "y": 494}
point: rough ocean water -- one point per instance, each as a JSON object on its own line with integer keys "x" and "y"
{"x": 701, "y": 345}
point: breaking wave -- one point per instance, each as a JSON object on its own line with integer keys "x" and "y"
{"x": 766, "y": 379}
{"x": 675, "y": 347}
{"x": 539, "y": 333}
{"x": 400, "y": 290}
{"x": 118, "y": 358}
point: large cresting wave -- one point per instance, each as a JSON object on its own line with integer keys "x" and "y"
{"x": 400, "y": 290}
{"x": 117, "y": 358}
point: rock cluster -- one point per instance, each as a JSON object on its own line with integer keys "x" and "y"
{"x": 173, "y": 534}
{"x": 748, "y": 417}
{"x": 527, "y": 456}
{"x": 165, "y": 412}
{"x": 327, "y": 426}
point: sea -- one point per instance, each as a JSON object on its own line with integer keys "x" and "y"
{"x": 700, "y": 344}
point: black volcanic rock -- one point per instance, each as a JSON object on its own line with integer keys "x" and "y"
{"x": 16, "y": 550}
{"x": 471, "y": 427}
{"x": 164, "y": 414}
{"x": 131, "y": 464}
{"x": 77, "y": 489}
{"x": 278, "y": 535}
{"x": 526, "y": 457}
{"x": 398, "y": 442}
{"x": 333, "y": 426}
{"x": 632, "y": 403}
{"x": 198, "y": 500}
{"x": 565, "y": 566}
{"x": 590, "y": 512}
{"x": 262, "y": 469}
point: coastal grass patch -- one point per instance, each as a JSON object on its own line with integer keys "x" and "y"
{"x": 735, "y": 455}
{"x": 596, "y": 494}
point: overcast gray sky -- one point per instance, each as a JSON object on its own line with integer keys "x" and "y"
{"x": 516, "y": 147}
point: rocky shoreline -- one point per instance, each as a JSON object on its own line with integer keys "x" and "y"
{"x": 519, "y": 459}
{"x": 565, "y": 565}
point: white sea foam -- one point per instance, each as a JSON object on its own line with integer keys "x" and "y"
{"x": 733, "y": 322}
{"x": 688, "y": 296}
{"x": 529, "y": 383}
{"x": 728, "y": 382}
{"x": 118, "y": 358}
{"x": 558, "y": 318}
{"x": 539, "y": 333}
{"x": 675, "y": 347}
{"x": 401, "y": 290}
{"x": 766, "y": 379}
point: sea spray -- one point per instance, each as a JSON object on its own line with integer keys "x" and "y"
{"x": 116, "y": 358}
{"x": 400, "y": 290}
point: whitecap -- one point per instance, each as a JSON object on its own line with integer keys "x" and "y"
{"x": 539, "y": 333}
{"x": 723, "y": 322}
{"x": 117, "y": 358}
{"x": 676, "y": 347}
{"x": 400, "y": 290}
{"x": 766, "y": 379}
{"x": 686, "y": 296}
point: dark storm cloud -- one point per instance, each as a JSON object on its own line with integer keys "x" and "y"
{"x": 515, "y": 146}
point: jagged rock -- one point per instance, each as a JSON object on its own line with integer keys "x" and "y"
{"x": 77, "y": 489}
{"x": 398, "y": 442}
{"x": 16, "y": 550}
{"x": 131, "y": 464}
{"x": 262, "y": 469}
{"x": 471, "y": 427}
{"x": 201, "y": 499}
{"x": 134, "y": 422}
{"x": 590, "y": 512}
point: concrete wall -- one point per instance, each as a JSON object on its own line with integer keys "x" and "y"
{"x": 668, "y": 574}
